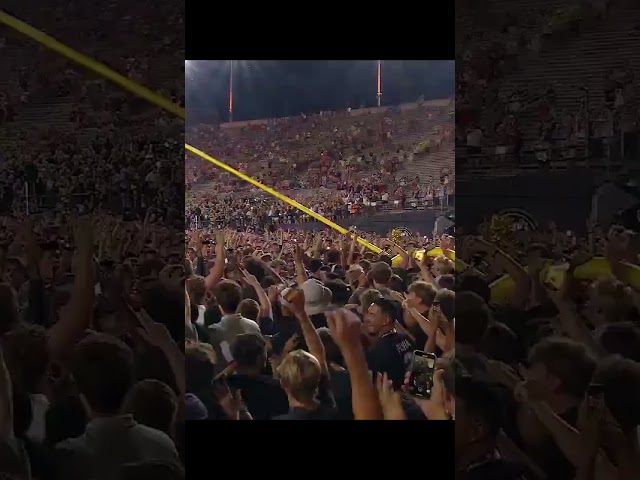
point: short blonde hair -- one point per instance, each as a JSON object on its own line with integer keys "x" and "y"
{"x": 449, "y": 266}
{"x": 299, "y": 375}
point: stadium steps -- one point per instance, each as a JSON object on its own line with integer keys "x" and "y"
{"x": 582, "y": 60}
{"x": 52, "y": 111}
{"x": 425, "y": 164}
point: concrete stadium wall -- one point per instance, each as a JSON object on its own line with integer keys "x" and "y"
{"x": 417, "y": 222}
{"x": 564, "y": 198}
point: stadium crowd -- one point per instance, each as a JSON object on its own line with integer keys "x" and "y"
{"x": 253, "y": 209}
{"x": 336, "y": 150}
{"x": 91, "y": 356}
{"x": 339, "y": 164}
{"x": 289, "y": 325}
{"x": 555, "y": 356}
{"x": 515, "y": 101}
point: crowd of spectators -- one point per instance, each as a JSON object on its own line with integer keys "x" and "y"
{"x": 331, "y": 149}
{"x": 493, "y": 118}
{"x": 91, "y": 268}
{"x": 258, "y": 211}
{"x": 292, "y": 325}
{"x": 557, "y": 357}
{"x": 338, "y": 164}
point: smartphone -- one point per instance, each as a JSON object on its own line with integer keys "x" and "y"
{"x": 423, "y": 366}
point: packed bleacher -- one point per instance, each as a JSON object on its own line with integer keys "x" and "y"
{"x": 546, "y": 83}
{"x": 337, "y": 163}
{"x": 91, "y": 356}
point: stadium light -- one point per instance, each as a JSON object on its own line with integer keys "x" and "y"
{"x": 379, "y": 81}
{"x": 231, "y": 93}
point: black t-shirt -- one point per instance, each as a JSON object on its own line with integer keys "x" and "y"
{"x": 391, "y": 354}
{"x": 326, "y": 409}
{"x": 341, "y": 388}
{"x": 263, "y": 395}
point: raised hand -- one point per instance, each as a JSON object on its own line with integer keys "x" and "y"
{"x": 345, "y": 328}
{"x": 295, "y": 299}
{"x": 434, "y": 408}
{"x": 250, "y": 279}
{"x": 154, "y": 333}
{"x": 290, "y": 344}
{"x": 389, "y": 398}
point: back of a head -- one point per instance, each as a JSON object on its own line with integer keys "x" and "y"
{"x": 249, "y": 350}
{"x": 152, "y": 403}
{"x": 385, "y": 259}
{"x": 380, "y": 273}
{"x": 396, "y": 284}
{"x": 367, "y": 297}
{"x": 567, "y": 360}
{"x": 199, "y": 366}
{"x": 332, "y": 256}
{"x": 446, "y": 299}
{"x": 475, "y": 284}
{"x": 621, "y": 339}
{"x": 250, "y": 309}
{"x": 255, "y": 267}
{"x": 500, "y": 343}
{"x": 102, "y": 367}
{"x": 620, "y": 378}
{"x": 299, "y": 374}
{"x": 444, "y": 265}
{"x": 228, "y": 295}
{"x": 340, "y": 292}
{"x": 472, "y": 318}
{"x": 447, "y": 281}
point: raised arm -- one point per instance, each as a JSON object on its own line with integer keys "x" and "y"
{"x": 301, "y": 274}
{"x": 76, "y": 317}
{"x": 311, "y": 337}
{"x": 263, "y": 298}
{"x": 345, "y": 329}
{"x": 216, "y": 274}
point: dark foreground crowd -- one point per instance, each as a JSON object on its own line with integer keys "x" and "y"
{"x": 91, "y": 358}
{"x": 558, "y": 364}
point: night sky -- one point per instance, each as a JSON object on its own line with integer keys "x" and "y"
{"x": 278, "y": 88}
